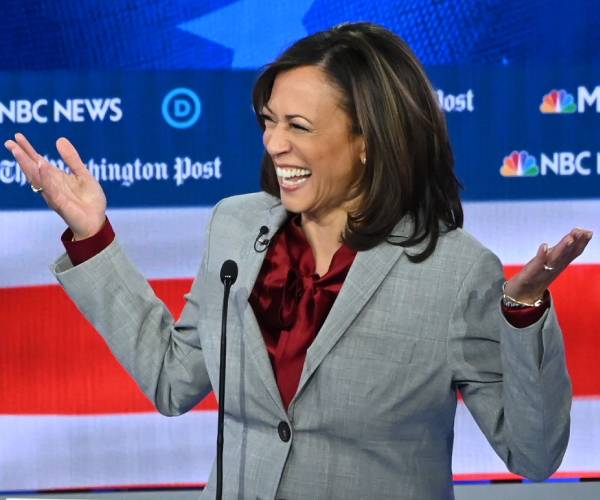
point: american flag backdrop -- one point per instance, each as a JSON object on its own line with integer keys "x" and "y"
{"x": 157, "y": 99}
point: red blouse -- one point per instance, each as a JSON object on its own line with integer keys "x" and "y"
{"x": 291, "y": 302}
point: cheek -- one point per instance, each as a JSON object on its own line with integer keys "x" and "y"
{"x": 341, "y": 168}
{"x": 334, "y": 180}
{"x": 265, "y": 137}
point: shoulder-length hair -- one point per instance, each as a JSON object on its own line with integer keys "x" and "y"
{"x": 409, "y": 168}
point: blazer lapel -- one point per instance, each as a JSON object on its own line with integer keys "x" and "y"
{"x": 367, "y": 272}
{"x": 251, "y": 262}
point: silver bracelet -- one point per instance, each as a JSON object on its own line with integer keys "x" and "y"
{"x": 513, "y": 303}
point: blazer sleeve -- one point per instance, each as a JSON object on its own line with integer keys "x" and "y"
{"x": 163, "y": 356}
{"x": 513, "y": 380}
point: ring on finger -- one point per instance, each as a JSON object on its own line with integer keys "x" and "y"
{"x": 548, "y": 268}
{"x": 36, "y": 189}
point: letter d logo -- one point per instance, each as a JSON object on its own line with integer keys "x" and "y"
{"x": 181, "y": 108}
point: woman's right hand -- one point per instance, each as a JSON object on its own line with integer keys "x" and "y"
{"x": 77, "y": 198}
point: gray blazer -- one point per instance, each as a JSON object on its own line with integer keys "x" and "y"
{"x": 373, "y": 415}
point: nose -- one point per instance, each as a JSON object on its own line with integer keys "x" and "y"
{"x": 276, "y": 140}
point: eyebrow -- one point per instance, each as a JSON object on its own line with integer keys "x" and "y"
{"x": 287, "y": 117}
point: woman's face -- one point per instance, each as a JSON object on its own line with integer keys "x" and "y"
{"x": 308, "y": 136}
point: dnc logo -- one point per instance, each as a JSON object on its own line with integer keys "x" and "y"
{"x": 519, "y": 164}
{"x": 181, "y": 108}
{"x": 558, "y": 101}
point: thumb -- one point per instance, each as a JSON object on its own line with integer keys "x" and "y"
{"x": 542, "y": 253}
{"x": 70, "y": 156}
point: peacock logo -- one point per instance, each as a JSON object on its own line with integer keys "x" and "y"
{"x": 558, "y": 101}
{"x": 519, "y": 164}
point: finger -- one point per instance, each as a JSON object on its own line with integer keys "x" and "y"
{"x": 560, "y": 255}
{"x": 29, "y": 167}
{"x": 27, "y": 147}
{"x": 581, "y": 241}
{"x": 50, "y": 192}
{"x": 540, "y": 257}
{"x": 549, "y": 262}
{"x": 71, "y": 157}
{"x": 577, "y": 239}
{"x": 582, "y": 233}
{"x": 565, "y": 242}
{"x": 569, "y": 249}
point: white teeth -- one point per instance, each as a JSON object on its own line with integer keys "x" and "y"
{"x": 291, "y": 172}
{"x": 295, "y": 182}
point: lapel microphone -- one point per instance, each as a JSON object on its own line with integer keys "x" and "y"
{"x": 260, "y": 243}
{"x": 229, "y": 272}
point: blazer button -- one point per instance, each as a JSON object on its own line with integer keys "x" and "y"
{"x": 284, "y": 431}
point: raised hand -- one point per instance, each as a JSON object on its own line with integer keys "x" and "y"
{"x": 530, "y": 284}
{"x": 77, "y": 198}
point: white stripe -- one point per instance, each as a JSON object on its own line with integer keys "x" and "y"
{"x": 164, "y": 243}
{"x": 473, "y": 454}
{"x": 38, "y": 452}
{"x": 515, "y": 230}
{"x": 167, "y": 242}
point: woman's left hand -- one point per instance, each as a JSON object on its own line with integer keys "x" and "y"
{"x": 533, "y": 280}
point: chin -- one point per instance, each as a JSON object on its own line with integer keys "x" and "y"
{"x": 292, "y": 205}
{"x": 294, "y": 200}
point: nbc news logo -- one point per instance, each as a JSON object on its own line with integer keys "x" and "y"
{"x": 562, "y": 102}
{"x": 561, "y": 163}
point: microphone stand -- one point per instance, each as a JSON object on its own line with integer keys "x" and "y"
{"x": 228, "y": 277}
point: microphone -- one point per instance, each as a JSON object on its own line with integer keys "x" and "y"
{"x": 261, "y": 245}
{"x": 229, "y": 272}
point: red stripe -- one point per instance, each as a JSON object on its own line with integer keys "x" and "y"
{"x": 103, "y": 488}
{"x": 507, "y": 476}
{"x": 576, "y": 295}
{"x": 54, "y": 363}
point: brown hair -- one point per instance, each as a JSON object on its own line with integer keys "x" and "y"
{"x": 409, "y": 163}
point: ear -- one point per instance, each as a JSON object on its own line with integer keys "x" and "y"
{"x": 363, "y": 152}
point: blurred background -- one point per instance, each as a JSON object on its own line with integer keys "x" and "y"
{"x": 156, "y": 95}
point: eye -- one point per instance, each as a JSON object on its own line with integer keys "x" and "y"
{"x": 297, "y": 126}
{"x": 266, "y": 118}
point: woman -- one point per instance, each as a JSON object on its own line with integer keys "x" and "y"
{"x": 362, "y": 207}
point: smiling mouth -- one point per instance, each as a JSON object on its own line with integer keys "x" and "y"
{"x": 292, "y": 176}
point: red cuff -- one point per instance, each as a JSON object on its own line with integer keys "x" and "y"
{"x": 527, "y": 316}
{"x": 82, "y": 250}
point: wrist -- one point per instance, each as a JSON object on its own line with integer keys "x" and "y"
{"x": 82, "y": 236}
{"x": 88, "y": 233}
{"x": 513, "y": 299}
{"x": 80, "y": 251}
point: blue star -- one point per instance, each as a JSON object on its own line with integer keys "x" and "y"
{"x": 256, "y": 30}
